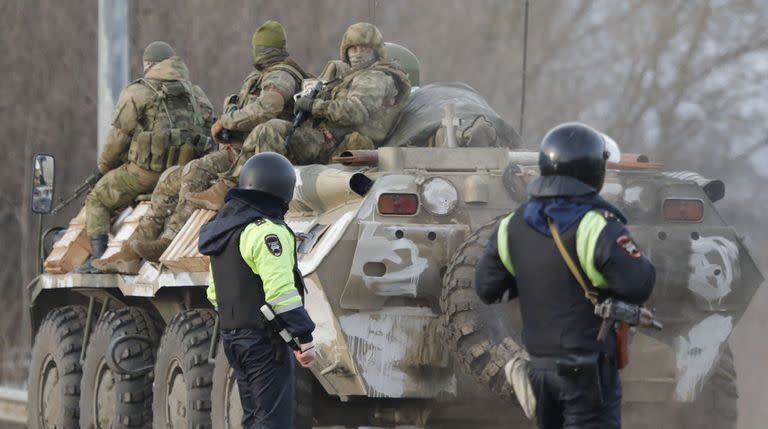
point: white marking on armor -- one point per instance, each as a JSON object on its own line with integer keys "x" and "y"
{"x": 714, "y": 267}
{"x": 387, "y": 344}
{"x": 611, "y": 191}
{"x": 632, "y": 194}
{"x": 321, "y": 313}
{"x": 309, "y": 263}
{"x": 698, "y": 353}
{"x": 400, "y": 256}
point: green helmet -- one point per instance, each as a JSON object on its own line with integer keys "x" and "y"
{"x": 362, "y": 34}
{"x": 157, "y": 51}
{"x": 403, "y": 57}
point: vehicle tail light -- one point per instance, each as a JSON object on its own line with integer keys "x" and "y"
{"x": 683, "y": 209}
{"x": 398, "y": 204}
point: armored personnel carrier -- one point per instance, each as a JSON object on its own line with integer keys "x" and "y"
{"x": 388, "y": 244}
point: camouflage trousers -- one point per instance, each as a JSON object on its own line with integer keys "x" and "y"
{"x": 116, "y": 190}
{"x": 169, "y": 209}
{"x": 307, "y": 146}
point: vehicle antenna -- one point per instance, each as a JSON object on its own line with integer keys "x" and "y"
{"x": 372, "y": 11}
{"x": 525, "y": 64}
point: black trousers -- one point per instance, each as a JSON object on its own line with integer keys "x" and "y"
{"x": 266, "y": 385}
{"x": 561, "y": 403}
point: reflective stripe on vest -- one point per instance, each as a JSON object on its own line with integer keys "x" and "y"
{"x": 590, "y": 227}
{"x": 502, "y": 243}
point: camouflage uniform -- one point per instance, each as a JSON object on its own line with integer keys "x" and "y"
{"x": 155, "y": 117}
{"x": 266, "y": 93}
{"x": 356, "y": 112}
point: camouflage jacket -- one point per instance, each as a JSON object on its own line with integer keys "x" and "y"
{"x": 265, "y": 95}
{"x": 138, "y": 109}
{"x": 368, "y": 101}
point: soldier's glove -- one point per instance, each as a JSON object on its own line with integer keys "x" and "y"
{"x": 216, "y": 129}
{"x": 303, "y": 104}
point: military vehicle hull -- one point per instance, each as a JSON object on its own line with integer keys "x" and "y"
{"x": 388, "y": 249}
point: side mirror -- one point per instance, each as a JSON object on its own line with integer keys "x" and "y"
{"x": 43, "y": 175}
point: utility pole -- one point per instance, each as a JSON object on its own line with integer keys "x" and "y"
{"x": 113, "y": 61}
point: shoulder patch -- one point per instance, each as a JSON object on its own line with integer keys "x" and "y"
{"x": 629, "y": 246}
{"x": 273, "y": 244}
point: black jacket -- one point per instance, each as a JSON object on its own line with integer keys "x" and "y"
{"x": 557, "y": 318}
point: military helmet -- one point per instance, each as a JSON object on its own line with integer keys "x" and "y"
{"x": 405, "y": 59}
{"x": 270, "y": 173}
{"x": 362, "y": 34}
{"x": 157, "y": 51}
{"x": 576, "y": 150}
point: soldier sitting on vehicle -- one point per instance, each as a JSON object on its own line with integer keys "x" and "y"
{"x": 266, "y": 93}
{"x": 160, "y": 120}
{"x": 354, "y": 111}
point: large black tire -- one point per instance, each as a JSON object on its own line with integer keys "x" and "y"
{"x": 226, "y": 410}
{"x": 714, "y": 408}
{"x": 481, "y": 337}
{"x": 183, "y": 376}
{"x": 110, "y": 400}
{"x": 54, "y": 373}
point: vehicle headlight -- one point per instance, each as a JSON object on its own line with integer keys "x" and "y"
{"x": 438, "y": 196}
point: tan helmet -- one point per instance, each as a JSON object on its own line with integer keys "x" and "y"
{"x": 362, "y": 34}
{"x": 404, "y": 58}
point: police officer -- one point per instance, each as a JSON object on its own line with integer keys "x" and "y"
{"x": 253, "y": 262}
{"x": 573, "y": 375}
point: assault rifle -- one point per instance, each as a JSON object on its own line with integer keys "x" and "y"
{"x": 303, "y": 115}
{"x": 614, "y": 312}
{"x": 226, "y": 136}
{"x": 86, "y": 186}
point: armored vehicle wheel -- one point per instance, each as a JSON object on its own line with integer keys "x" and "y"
{"x": 226, "y": 409}
{"x": 54, "y": 373}
{"x": 482, "y": 338}
{"x": 183, "y": 376}
{"x": 714, "y": 408}
{"x": 112, "y": 400}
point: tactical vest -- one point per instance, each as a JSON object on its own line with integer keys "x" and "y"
{"x": 239, "y": 291}
{"x": 172, "y": 127}
{"x": 557, "y": 318}
{"x": 251, "y": 88}
{"x": 378, "y": 128}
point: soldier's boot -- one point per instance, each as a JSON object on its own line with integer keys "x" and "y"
{"x": 211, "y": 198}
{"x": 98, "y": 247}
{"x": 151, "y": 250}
{"x": 124, "y": 261}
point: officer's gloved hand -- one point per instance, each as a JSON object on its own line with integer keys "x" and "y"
{"x": 306, "y": 356}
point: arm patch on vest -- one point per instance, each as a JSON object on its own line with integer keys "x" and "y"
{"x": 273, "y": 244}
{"x": 629, "y": 246}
